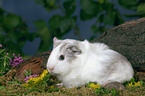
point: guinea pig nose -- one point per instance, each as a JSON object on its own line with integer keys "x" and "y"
{"x": 51, "y": 69}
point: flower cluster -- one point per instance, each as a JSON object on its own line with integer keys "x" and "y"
{"x": 16, "y": 60}
{"x": 31, "y": 76}
{"x": 93, "y": 85}
{"x": 34, "y": 81}
{"x": 134, "y": 84}
{"x": 1, "y": 45}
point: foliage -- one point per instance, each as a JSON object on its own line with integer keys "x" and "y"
{"x": 135, "y": 5}
{"x": 7, "y": 60}
{"x": 4, "y": 61}
{"x": 133, "y": 83}
{"x": 14, "y": 31}
{"x": 36, "y": 81}
{"x": 41, "y": 83}
{"x": 93, "y": 85}
{"x": 28, "y": 73}
{"x": 106, "y": 13}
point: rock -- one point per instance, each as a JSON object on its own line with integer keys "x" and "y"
{"x": 115, "y": 85}
{"x": 129, "y": 40}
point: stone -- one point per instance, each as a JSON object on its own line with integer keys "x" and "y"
{"x": 114, "y": 85}
{"x": 129, "y": 40}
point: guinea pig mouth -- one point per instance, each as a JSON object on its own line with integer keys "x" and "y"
{"x": 54, "y": 73}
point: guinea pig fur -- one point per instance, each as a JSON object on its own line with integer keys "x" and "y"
{"x": 77, "y": 63}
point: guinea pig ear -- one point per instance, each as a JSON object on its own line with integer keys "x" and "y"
{"x": 55, "y": 42}
{"x": 54, "y": 39}
{"x": 74, "y": 50}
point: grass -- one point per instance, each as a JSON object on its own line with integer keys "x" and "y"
{"x": 45, "y": 85}
{"x": 13, "y": 88}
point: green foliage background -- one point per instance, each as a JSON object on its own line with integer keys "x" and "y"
{"x": 14, "y": 32}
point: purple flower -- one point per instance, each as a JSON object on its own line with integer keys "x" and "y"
{"x": 1, "y": 45}
{"x": 27, "y": 78}
{"x": 13, "y": 54}
{"x": 16, "y": 60}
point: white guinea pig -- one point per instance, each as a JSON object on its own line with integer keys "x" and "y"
{"x": 76, "y": 63}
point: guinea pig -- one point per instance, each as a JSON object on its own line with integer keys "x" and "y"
{"x": 77, "y": 63}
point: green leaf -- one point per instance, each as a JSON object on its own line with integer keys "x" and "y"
{"x": 28, "y": 73}
{"x": 89, "y": 6}
{"x": 129, "y": 4}
{"x": 66, "y": 24}
{"x": 69, "y": 7}
{"x": 40, "y": 24}
{"x": 94, "y": 29}
{"x": 85, "y": 16}
{"x": 50, "y": 2}
{"x": 11, "y": 21}
{"x": 1, "y": 51}
{"x": 102, "y": 1}
{"x": 112, "y": 17}
{"x": 118, "y": 19}
{"x": 45, "y": 35}
{"x": 141, "y": 8}
{"x": 141, "y": 82}
{"x": 89, "y": 9}
{"x": 54, "y": 21}
{"x": 50, "y": 5}
{"x": 1, "y": 11}
{"x": 13, "y": 46}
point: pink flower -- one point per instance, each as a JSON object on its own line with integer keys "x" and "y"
{"x": 7, "y": 53}
{"x": 16, "y": 60}
{"x": 27, "y": 78}
{"x": 13, "y": 54}
{"x": 1, "y": 45}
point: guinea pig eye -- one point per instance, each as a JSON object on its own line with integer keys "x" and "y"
{"x": 61, "y": 57}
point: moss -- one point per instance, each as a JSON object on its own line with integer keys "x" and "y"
{"x": 12, "y": 87}
{"x": 16, "y": 89}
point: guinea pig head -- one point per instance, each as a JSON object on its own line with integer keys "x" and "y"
{"x": 64, "y": 56}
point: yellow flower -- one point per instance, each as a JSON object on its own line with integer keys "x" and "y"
{"x": 25, "y": 85}
{"x": 92, "y": 85}
{"x": 35, "y": 80}
{"x": 52, "y": 87}
{"x": 135, "y": 84}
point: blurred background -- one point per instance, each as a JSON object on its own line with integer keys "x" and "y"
{"x": 28, "y": 26}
